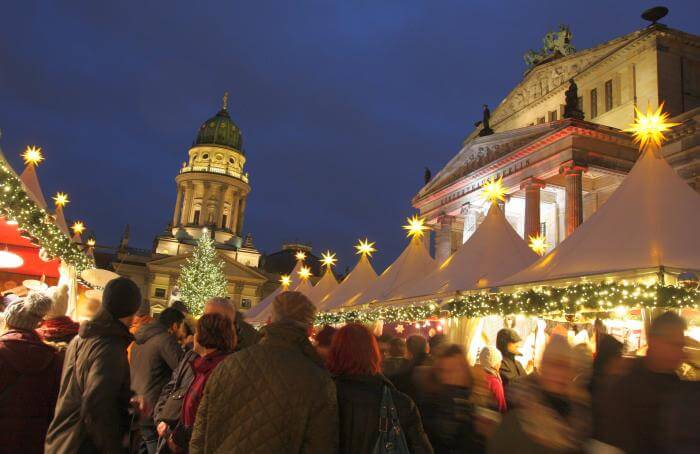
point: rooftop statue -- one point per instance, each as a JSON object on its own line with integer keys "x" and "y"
{"x": 554, "y": 45}
{"x": 572, "y": 108}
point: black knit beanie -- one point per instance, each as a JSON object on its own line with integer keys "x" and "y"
{"x": 121, "y": 297}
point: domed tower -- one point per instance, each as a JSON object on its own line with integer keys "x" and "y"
{"x": 212, "y": 189}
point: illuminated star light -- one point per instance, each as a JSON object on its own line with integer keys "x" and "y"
{"x": 538, "y": 243}
{"x": 328, "y": 259}
{"x": 493, "y": 190}
{"x": 32, "y": 155}
{"x": 78, "y": 227}
{"x": 61, "y": 199}
{"x": 285, "y": 280}
{"x": 300, "y": 256}
{"x": 364, "y": 247}
{"x": 91, "y": 242}
{"x": 415, "y": 227}
{"x": 650, "y": 128}
{"x": 304, "y": 272}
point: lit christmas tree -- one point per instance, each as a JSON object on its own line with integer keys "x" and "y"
{"x": 202, "y": 276}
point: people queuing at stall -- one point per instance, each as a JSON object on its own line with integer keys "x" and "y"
{"x": 293, "y": 388}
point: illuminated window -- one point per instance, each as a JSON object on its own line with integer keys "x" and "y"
{"x": 594, "y": 103}
{"x": 245, "y": 303}
{"x": 543, "y": 228}
{"x": 224, "y": 218}
{"x": 196, "y": 217}
{"x": 552, "y": 115}
{"x": 159, "y": 293}
{"x": 608, "y": 95}
{"x": 205, "y": 156}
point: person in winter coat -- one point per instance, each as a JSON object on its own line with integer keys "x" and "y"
{"x": 549, "y": 412}
{"x": 411, "y": 378}
{"x": 30, "y": 374}
{"x": 245, "y": 333}
{"x": 168, "y": 409}
{"x": 355, "y": 362}
{"x": 215, "y": 339}
{"x": 508, "y": 342}
{"x": 141, "y": 318}
{"x": 395, "y": 360}
{"x": 92, "y": 412}
{"x": 274, "y": 396}
{"x": 633, "y": 419}
{"x": 154, "y": 356}
{"x": 490, "y": 362}
{"x": 57, "y": 329}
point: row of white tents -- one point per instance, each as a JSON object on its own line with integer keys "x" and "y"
{"x": 650, "y": 223}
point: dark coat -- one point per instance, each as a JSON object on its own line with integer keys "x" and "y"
{"x": 359, "y": 401}
{"x": 92, "y": 412}
{"x": 247, "y": 335}
{"x": 154, "y": 356}
{"x": 272, "y": 397}
{"x": 30, "y": 375}
{"x": 511, "y": 369}
{"x": 169, "y": 406}
{"x": 448, "y": 420}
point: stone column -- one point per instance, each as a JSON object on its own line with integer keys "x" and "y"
{"x": 532, "y": 188}
{"x": 233, "y": 222}
{"x": 178, "y": 206}
{"x": 241, "y": 214}
{"x": 573, "y": 174}
{"x": 448, "y": 236}
{"x": 205, "y": 205}
{"x": 223, "y": 194}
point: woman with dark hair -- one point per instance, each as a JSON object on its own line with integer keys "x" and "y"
{"x": 214, "y": 340}
{"x": 355, "y": 362}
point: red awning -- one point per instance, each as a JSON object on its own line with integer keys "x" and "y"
{"x": 33, "y": 265}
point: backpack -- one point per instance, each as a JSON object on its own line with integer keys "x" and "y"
{"x": 391, "y": 437}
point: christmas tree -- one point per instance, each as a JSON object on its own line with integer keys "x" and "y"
{"x": 202, "y": 275}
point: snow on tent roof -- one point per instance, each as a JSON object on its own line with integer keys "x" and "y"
{"x": 494, "y": 252}
{"x": 413, "y": 263}
{"x": 323, "y": 287}
{"x": 651, "y": 220}
{"x": 351, "y": 287}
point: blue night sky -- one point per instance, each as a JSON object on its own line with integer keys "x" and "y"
{"x": 342, "y": 104}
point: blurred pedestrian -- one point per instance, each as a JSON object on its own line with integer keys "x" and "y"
{"x": 607, "y": 368}
{"x": 395, "y": 360}
{"x": 490, "y": 362}
{"x": 275, "y": 396}
{"x": 214, "y": 339}
{"x": 633, "y": 418}
{"x": 447, "y": 408}
{"x": 549, "y": 412}
{"x": 154, "y": 356}
{"x": 413, "y": 377}
{"x": 509, "y": 342}
{"x": 92, "y": 413}
{"x": 384, "y": 342}
{"x": 436, "y": 341}
{"x": 30, "y": 376}
{"x": 323, "y": 339}
{"x": 354, "y": 361}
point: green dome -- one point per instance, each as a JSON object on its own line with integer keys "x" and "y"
{"x": 220, "y": 130}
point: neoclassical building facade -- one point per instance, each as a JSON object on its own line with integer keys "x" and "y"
{"x": 559, "y": 171}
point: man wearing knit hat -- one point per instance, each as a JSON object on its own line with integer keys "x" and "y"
{"x": 30, "y": 373}
{"x": 279, "y": 385}
{"x": 92, "y": 413}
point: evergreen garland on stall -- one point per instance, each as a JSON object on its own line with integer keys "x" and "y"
{"x": 202, "y": 276}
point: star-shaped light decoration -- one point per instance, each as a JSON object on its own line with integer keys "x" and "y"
{"x": 285, "y": 280}
{"x": 78, "y": 227}
{"x": 493, "y": 190}
{"x": 538, "y": 243}
{"x": 364, "y": 247}
{"x": 32, "y": 155}
{"x": 300, "y": 256}
{"x": 328, "y": 259}
{"x": 649, "y": 129}
{"x": 90, "y": 242}
{"x": 61, "y": 199}
{"x": 399, "y": 329}
{"x": 415, "y": 227}
{"x": 304, "y": 272}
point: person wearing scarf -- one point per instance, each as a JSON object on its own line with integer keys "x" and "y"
{"x": 57, "y": 329}
{"x": 214, "y": 340}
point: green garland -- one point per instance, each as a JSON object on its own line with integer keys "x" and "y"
{"x": 16, "y": 204}
{"x": 579, "y": 298}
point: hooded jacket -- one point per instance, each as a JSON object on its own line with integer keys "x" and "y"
{"x": 272, "y": 397}
{"x": 92, "y": 409}
{"x": 154, "y": 356}
{"x": 30, "y": 374}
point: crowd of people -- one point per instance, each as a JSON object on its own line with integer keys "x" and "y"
{"x": 124, "y": 381}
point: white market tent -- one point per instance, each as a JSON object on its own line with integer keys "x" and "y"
{"x": 254, "y": 313}
{"x": 323, "y": 287}
{"x": 351, "y": 288}
{"x": 494, "y": 252}
{"x": 31, "y": 184}
{"x": 265, "y": 314}
{"x": 413, "y": 263}
{"x": 651, "y": 221}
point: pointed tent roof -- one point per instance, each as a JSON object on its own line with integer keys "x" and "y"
{"x": 323, "y": 287}
{"x": 61, "y": 221}
{"x": 651, "y": 220}
{"x": 494, "y": 252}
{"x": 31, "y": 184}
{"x": 413, "y": 263}
{"x": 253, "y": 313}
{"x": 265, "y": 314}
{"x": 352, "y": 286}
